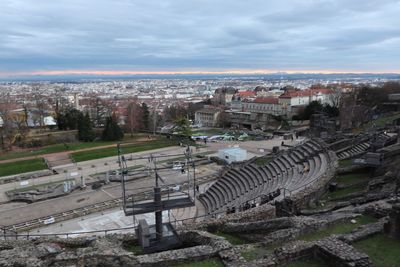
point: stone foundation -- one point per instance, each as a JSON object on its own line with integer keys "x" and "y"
{"x": 392, "y": 228}
{"x": 340, "y": 254}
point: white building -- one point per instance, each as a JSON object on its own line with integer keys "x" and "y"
{"x": 304, "y": 97}
{"x": 265, "y": 105}
{"x": 233, "y": 154}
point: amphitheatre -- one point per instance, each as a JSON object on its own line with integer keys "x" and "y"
{"x": 317, "y": 200}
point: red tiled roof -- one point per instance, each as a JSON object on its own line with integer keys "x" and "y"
{"x": 324, "y": 91}
{"x": 304, "y": 93}
{"x": 246, "y": 93}
{"x": 266, "y": 100}
{"x": 290, "y": 94}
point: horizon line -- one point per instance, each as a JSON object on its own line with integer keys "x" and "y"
{"x": 72, "y": 72}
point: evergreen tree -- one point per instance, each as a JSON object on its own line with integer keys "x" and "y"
{"x": 112, "y": 131}
{"x": 183, "y": 126}
{"x": 85, "y": 129}
{"x": 67, "y": 119}
{"x": 145, "y": 117}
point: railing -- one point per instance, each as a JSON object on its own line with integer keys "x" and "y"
{"x": 11, "y": 235}
{"x": 7, "y": 236}
{"x": 16, "y": 236}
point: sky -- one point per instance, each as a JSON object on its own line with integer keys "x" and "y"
{"x": 198, "y": 36}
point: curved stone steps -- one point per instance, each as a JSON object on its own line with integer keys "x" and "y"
{"x": 238, "y": 186}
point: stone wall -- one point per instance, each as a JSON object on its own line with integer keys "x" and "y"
{"x": 25, "y": 176}
{"x": 340, "y": 254}
{"x": 260, "y": 213}
{"x": 392, "y": 227}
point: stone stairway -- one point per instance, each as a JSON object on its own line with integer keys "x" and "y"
{"x": 58, "y": 159}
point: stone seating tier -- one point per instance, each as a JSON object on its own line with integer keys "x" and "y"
{"x": 238, "y": 186}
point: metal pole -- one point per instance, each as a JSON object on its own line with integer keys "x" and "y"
{"x": 158, "y": 213}
{"x": 133, "y": 213}
{"x": 122, "y": 176}
{"x": 194, "y": 180}
{"x": 158, "y": 204}
{"x": 154, "y": 119}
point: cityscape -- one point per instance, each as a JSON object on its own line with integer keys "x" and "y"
{"x": 201, "y": 133}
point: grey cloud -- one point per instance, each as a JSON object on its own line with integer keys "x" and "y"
{"x": 151, "y": 34}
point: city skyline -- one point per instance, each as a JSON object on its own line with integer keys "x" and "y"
{"x": 200, "y": 37}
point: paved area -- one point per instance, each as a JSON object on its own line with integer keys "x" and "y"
{"x": 77, "y": 199}
{"x": 14, "y": 213}
{"x": 86, "y": 169}
{"x": 111, "y": 219}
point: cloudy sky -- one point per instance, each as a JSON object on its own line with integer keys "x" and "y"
{"x": 113, "y": 36}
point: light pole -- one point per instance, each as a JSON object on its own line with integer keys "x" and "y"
{"x": 155, "y": 117}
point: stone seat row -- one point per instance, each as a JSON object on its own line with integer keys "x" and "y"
{"x": 289, "y": 170}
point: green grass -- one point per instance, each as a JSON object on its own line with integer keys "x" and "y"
{"x": 345, "y": 163}
{"x": 53, "y": 149}
{"x": 61, "y": 148}
{"x": 340, "y": 193}
{"x": 233, "y": 239}
{"x": 352, "y": 178}
{"x": 308, "y": 263}
{"x": 382, "y": 250}
{"x": 382, "y": 121}
{"x": 112, "y": 151}
{"x": 22, "y": 166}
{"x": 212, "y": 262}
{"x": 254, "y": 253}
{"x": 136, "y": 249}
{"x": 339, "y": 228}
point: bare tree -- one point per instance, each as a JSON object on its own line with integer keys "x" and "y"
{"x": 7, "y": 130}
{"x": 133, "y": 116}
{"x": 39, "y": 109}
{"x": 99, "y": 110}
{"x": 335, "y": 97}
{"x": 21, "y": 128}
{"x": 223, "y": 119}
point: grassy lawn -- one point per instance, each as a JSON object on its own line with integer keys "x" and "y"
{"x": 340, "y": 193}
{"x": 339, "y": 228}
{"x": 382, "y": 250}
{"x": 308, "y": 263}
{"x": 61, "y": 147}
{"x": 352, "y": 178}
{"x": 213, "y": 262}
{"x": 22, "y": 166}
{"x": 345, "y": 163}
{"x": 353, "y": 182}
{"x": 112, "y": 151}
{"x": 233, "y": 239}
{"x": 254, "y": 253}
{"x": 382, "y": 121}
{"x": 54, "y": 149}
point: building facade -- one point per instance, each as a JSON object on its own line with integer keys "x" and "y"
{"x": 207, "y": 117}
